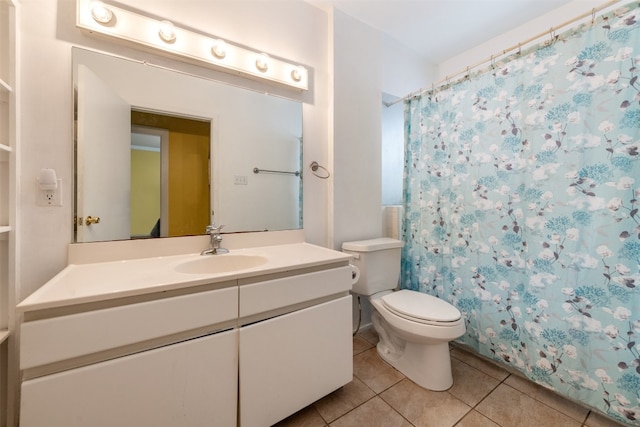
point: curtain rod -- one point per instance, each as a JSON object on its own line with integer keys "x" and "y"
{"x": 493, "y": 57}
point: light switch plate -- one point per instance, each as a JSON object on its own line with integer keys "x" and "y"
{"x": 240, "y": 180}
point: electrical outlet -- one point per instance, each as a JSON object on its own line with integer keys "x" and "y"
{"x": 49, "y": 197}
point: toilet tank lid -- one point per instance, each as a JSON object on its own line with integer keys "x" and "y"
{"x": 372, "y": 245}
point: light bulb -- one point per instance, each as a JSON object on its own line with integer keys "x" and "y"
{"x": 296, "y": 74}
{"x": 262, "y": 62}
{"x": 219, "y": 49}
{"x": 167, "y": 32}
{"x": 101, "y": 13}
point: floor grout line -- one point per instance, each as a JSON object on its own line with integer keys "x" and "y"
{"x": 509, "y": 375}
{"x": 473, "y": 408}
{"x": 549, "y": 406}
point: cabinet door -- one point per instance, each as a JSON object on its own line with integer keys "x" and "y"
{"x": 192, "y": 383}
{"x": 290, "y": 361}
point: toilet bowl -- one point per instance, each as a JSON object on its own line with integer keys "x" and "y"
{"x": 414, "y": 328}
{"x": 417, "y": 342}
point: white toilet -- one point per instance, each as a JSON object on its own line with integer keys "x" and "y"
{"x": 414, "y": 328}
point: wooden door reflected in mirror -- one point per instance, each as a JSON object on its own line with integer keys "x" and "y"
{"x": 170, "y": 188}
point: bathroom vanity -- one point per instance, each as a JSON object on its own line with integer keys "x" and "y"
{"x": 245, "y": 338}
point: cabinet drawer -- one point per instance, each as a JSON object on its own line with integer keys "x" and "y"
{"x": 274, "y": 294}
{"x": 66, "y": 337}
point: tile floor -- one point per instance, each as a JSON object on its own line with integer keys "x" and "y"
{"x": 483, "y": 395}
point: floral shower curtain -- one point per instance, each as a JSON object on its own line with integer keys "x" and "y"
{"x": 522, "y": 190}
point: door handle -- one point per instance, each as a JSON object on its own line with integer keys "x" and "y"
{"x": 92, "y": 220}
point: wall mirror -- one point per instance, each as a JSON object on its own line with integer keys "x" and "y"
{"x": 162, "y": 153}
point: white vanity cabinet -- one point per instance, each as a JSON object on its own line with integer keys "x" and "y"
{"x": 141, "y": 343}
{"x": 169, "y": 362}
{"x": 288, "y": 361}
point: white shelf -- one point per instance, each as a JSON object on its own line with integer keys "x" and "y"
{"x": 4, "y": 334}
{"x": 5, "y": 148}
{"x": 5, "y": 229}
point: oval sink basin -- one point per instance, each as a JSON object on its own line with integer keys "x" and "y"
{"x": 212, "y": 264}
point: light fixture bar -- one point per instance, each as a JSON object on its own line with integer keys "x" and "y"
{"x": 105, "y": 19}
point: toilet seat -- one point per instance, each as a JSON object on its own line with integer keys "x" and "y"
{"x": 421, "y": 308}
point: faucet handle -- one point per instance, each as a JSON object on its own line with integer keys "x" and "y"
{"x": 214, "y": 228}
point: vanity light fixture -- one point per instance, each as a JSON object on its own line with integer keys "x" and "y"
{"x": 101, "y": 13}
{"x": 219, "y": 49}
{"x": 98, "y": 18}
{"x": 167, "y": 32}
{"x": 262, "y": 62}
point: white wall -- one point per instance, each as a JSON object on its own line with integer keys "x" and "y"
{"x": 366, "y": 65}
{"x": 356, "y": 114}
{"x": 292, "y": 30}
{"x": 403, "y": 70}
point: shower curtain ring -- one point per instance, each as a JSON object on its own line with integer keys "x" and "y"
{"x": 593, "y": 15}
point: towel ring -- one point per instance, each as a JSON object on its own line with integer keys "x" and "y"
{"x": 314, "y": 166}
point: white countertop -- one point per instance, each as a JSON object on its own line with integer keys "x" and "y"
{"x": 99, "y": 281}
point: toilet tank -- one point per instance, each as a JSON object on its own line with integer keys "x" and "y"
{"x": 378, "y": 261}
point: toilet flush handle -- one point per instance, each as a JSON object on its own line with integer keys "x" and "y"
{"x": 355, "y": 274}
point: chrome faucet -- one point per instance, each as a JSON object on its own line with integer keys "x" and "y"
{"x": 215, "y": 239}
